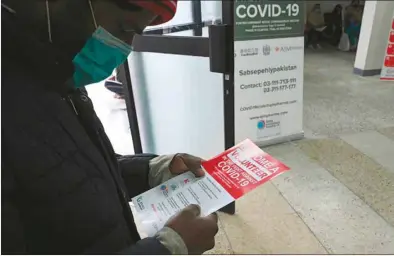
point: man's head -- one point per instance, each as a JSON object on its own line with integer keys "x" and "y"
{"x": 124, "y": 18}
{"x": 338, "y": 9}
{"x": 316, "y": 8}
{"x": 67, "y": 24}
{"x": 355, "y": 3}
{"x": 85, "y": 34}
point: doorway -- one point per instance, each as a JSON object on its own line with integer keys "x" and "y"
{"x": 178, "y": 87}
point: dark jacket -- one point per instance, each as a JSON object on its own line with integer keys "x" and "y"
{"x": 64, "y": 190}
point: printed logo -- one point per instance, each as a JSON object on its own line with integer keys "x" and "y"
{"x": 140, "y": 203}
{"x": 174, "y": 187}
{"x": 271, "y": 123}
{"x": 288, "y": 48}
{"x": 268, "y": 127}
{"x": 261, "y": 125}
{"x": 266, "y": 50}
{"x": 164, "y": 189}
{"x": 250, "y": 52}
{"x": 186, "y": 181}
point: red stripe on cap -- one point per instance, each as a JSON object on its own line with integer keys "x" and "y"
{"x": 164, "y": 9}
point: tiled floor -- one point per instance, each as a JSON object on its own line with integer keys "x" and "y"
{"x": 338, "y": 197}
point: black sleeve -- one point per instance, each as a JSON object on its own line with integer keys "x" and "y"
{"x": 147, "y": 246}
{"x": 12, "y": 231}
{"x": 135, "y": 171}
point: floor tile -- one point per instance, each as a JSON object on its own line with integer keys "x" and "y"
{"x": 341, "y": 221}
{"x": 388, "y": 132}
{"x": 222, "y": 244}
{"x": 375, "y": 145}
{"x": 264, "y": 223}
{"x": 365, "y": 177}
{"x": 336, "y": 101}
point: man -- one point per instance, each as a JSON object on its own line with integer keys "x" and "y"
{"x": 64, "y": 190}
{"x": 315, "y": 21}
{"x": 336, "y": 25}
{"x": 353, "y": 18}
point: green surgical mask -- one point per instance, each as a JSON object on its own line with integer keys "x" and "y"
{"x": 101, "y": 54}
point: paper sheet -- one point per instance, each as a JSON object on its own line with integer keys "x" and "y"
{"x": 228, "y": 177}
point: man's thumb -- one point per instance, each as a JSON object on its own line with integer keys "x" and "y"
{"x": 194, "y": 209}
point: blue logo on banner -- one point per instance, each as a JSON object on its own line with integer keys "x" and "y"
{"x": 260, "y": 125}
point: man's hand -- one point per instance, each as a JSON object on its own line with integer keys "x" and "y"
{"x": 183, "y": 162}
{"x": 198, "y": 233}
{"x": 165, "y": 167}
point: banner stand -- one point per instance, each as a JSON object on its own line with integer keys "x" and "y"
{"x": 279, "y": 140}
{"x": 387, "y": 72}
{"x": 268, "y": 70}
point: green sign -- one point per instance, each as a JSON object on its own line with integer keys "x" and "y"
{"x": 258, "y": 19}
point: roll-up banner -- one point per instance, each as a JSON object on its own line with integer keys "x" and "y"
{"x": 388, "y": 63}
{"x": 268, "y": 70}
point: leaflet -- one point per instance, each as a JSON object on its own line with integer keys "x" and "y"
{"x": 228, "y": 177}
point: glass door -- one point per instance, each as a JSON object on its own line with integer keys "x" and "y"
{"x": 178, "y": 88}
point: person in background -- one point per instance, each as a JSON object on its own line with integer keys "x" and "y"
{"x": 315, "y": 20}
{"x": 353, "y": 31}
{"x": 334, "y": 27}
{"x": 64, "y": 189}
{"x": 353, "y": 17}
{"x": 354, "y": 6}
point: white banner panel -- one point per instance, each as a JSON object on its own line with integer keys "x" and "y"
{"x": 268, "y": 70}
{"x": 388, "y": 63}
{"x": 268, "y": 80}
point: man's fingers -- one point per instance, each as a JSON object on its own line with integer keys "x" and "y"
{"x": 193, "y": 163}
{"x": 177, "y": 165}
{"x": 198, "y": 172}
{"x": 212, "y": 223}
{"x": 194, "y": 209}
{"x": 184, "y": 162}
{"x": 213, "y": 216}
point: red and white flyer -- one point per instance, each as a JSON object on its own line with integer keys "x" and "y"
{"x": 229, "y": 176}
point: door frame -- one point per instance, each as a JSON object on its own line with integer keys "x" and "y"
{"x": 156, "y": 41}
